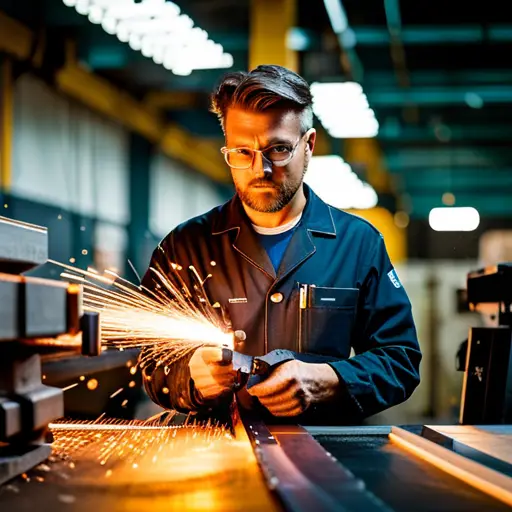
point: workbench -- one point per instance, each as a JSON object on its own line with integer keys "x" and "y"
{"x": 253, "y": 466}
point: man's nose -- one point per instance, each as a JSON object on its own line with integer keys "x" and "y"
{"x": 263, "y": 164}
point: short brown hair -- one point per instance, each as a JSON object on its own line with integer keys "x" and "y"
{"x": 263, "y": 88}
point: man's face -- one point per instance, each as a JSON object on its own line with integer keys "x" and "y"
{"x": 264, "y": 187}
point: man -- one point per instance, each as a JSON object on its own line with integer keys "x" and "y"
{"x": 292, "y": 272}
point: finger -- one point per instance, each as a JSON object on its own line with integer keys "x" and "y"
{"x": 287, "y": 395}
{"x": 283, "y": 408}
{"x": 211, "y": 355}
{"x": 290, "y": 411}
{"x": 273, "y": 385}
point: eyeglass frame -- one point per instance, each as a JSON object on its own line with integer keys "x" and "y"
{"x": 225, "y": 150}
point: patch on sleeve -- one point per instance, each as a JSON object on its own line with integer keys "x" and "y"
{"x": 394, "y": 278}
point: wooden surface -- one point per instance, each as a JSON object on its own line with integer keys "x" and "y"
{"x": 493, "y": 440}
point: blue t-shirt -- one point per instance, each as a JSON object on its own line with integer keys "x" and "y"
{"x": 276, "y": 245}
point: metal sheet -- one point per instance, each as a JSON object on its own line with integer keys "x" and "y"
{"x": 303, "y": 474}
{"x": 160, "y": 469}
{"x": 403, "y": 481}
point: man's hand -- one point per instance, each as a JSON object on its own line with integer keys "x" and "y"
{"x": 211, "y": 378}
{"x": 294, "y": 386}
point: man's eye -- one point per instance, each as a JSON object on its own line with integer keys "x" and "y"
{"x": 242, "y": 151}
{"x": 280, "y": 149}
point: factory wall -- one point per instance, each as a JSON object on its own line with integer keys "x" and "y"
{"x": 177, "y": 194}
{"x": 71, "y": 173}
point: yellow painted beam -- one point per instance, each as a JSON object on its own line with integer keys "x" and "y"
{"x": 394, "y": 237}
{"x": 111, "y": 101}
{"x": 15, "y": 38}
{"x": 101, "y": 96}
{"x": 175, "y": 100}
{"x": 199, "y": 153}
{"x": 367, "y": 153}
{"x": 270, "y": 21}
{"x": 6, "y": 124}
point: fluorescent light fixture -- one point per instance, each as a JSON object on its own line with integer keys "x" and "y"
{"x": 452, "y": 218}
{"x": 337, "y": 15}
{"x": 158, "y": 30}
{"x": 343, "y": 110}
{"x": 333, "y": 180}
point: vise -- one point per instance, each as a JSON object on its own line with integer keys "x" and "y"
{"x": 34, "y": 313}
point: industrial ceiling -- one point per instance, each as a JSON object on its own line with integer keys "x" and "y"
{"x": 438, "y": 77}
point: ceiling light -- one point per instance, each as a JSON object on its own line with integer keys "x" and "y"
{"x": 109, "y": 25}
{"x": 158, "y": 30}
{"x": 343, "y": 110}
{"x": 463, "y": 218}
{"x": 333, "y": 180}
{"x": 95, "y": 14}
{"x": 82, "y": 7}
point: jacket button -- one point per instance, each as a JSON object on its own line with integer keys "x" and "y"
{"x": 276, "y": 297}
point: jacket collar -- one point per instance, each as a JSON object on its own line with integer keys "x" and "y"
{"x": 316, "y": 217}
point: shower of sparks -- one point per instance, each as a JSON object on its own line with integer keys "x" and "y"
{"x": 116, "y": 447}
{"x": 70, "y": 387}
{"x": 116, "y": 392}
{"x": 166, "y": 322}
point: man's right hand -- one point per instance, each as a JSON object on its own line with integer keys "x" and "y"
{"x": 212, "y": 379}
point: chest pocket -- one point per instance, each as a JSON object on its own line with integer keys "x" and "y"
{"x": 326, "y": 320}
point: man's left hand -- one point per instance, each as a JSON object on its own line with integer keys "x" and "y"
{"x": 294, "y": 386}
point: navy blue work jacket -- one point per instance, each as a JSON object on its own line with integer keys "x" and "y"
{"x": 351, "y": 298}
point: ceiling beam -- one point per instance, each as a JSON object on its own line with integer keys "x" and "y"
{"x": 442, "y": 77}
{"x": 390, "y": 132}
{"x": 447, "y": 157}
{"x": 427, "y": 96}
{"x": 496, "y": 206}
{"x": 434, "y": 35}
{"x": 461, "y": 179}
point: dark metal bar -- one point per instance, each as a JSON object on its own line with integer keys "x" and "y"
{"x": 63, "y": 367}
{"x": 290, "y": 460}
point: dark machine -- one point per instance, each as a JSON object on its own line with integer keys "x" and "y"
{"x": 36, "y": 316}
{"x": 487, "y": 384}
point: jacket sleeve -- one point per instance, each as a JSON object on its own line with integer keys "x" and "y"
{"x": 169, "y": 386}
{"x": 385, "y": 370}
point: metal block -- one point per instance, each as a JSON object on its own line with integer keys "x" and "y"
{"x": 40, "y": 407}
{"x": 22, "y": 246}
{"x": 45, "y": 308}
{"x": 10, "y": 418}
{"x": 34, "y": 308}
{"x": 25, "y": 458}
{"x": 10, "y": 310}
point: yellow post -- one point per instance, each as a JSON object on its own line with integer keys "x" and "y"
{"x": 367, "y": 152}
{"x": 269, "y": 25}
{"x": 6, "y": 124}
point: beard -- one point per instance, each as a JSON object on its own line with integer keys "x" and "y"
{"x": 268, "y": 200}
{"x": 274, "y": 197}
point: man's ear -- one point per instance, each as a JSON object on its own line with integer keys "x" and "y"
{"x": 311, "y": 139}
